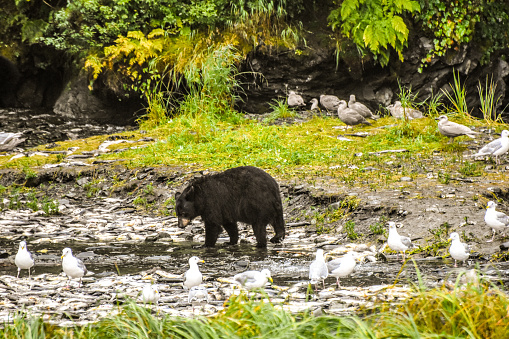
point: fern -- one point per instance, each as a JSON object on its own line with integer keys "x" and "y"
{"x": 375, "y": 25}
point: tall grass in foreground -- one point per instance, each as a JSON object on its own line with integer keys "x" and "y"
{"x": 458, "y": 97}
{"x": 488, "y": 101}
{"x": 467, "y": 311}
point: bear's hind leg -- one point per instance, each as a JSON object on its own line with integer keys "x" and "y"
{"x": 233, "y": 232}
{"x": 279, "y": 229}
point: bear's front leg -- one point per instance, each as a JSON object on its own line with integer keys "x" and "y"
{"x": 233, "y": 232}
{"x": 211, "y": 233}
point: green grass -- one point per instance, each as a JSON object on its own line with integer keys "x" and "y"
{"x": 474, "y": 310}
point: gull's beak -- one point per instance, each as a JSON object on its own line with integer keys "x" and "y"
{"x": 62, "y": 256}
{"x": 270, "y": 279}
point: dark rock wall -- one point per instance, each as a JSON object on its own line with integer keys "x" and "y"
{"x": 315, "y": 71}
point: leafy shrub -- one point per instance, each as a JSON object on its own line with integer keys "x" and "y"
{"x": 376, "y": 25}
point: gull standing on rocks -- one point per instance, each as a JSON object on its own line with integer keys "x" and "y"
{"x": 342, "y": 267}
{"x": 198, "y": 295}
{"x": 150, "y": 294}
{"x": 361, "y": 108}
{"x": 193, "y": 276}
{"x": 314, "y": 104}
{"x": 295, "y": 99}
{"x": 398, "y": 242}
{"x": 253, "y": 279}
{"x": 496, "y": 147}
{"x": 498, "y": 221}
{"x": 349, "y": 116}
{"x": 24, "y": 259}
{"x": 452, "y": 129}
{"x": 318, "y": 269}
{"x": 72, "y": 266}
{"x": 330, "y": 102}
{"x": 399, "y": 112}
{"x": 458, "y": 250}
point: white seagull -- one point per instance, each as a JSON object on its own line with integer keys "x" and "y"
{"x": 150, "y": 294}
{"x": 498, "y": 221}
{"x": 342, "y": 267}
{"x": 314, "y": 104}
{"x": 72, "y": 266}
{"x": 193, "y": 276}
{"x": 295, "y": 99}
{"x": 398, "y": 242}
{"x": 24, "y": 259}
{"x": 318, "y": 270}
{"x": 253, "y": 279}
{"x": 198, "y": 295}
{"x": 458, "y": 250}
{"x": 452, "y": 129}
{"x": 496, "y": 147}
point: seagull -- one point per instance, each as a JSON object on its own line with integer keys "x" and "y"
{"x": 193, "y": 276}
{"x": 458, "y": 250}
{"x": 253, "y": 279}
{"x": 198, "y": 295}
{"x": 24, "y": 259}
{"x": 72, "y": 266}
{"x": 349, "y": 116}
{"x": 361, "y": 108}
{"x": 318, "y": 269}
{"x": 452, "y": 129}
{"x": 341, "y": 267}
{"x": 399, "y": 112}
{"x": 498, "y": 221}
{"x": 9, "y": 140}
{"x": 295, "y": 100}
{"x": 398, "y": 242}
{"x": 496, "y": 147}
{"x": 314, "y": 104}
{"x": 150, "y": 294}
{"x": 330, "y": 102}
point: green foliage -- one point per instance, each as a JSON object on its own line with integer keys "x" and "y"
{"x": 471, "y": 169}
{"x": 456, "y": 23}
{"x": 379, "y": 227}
{"x": 350, "y": 230}
{"x": 488, "y": 101}
{"x": 50, "y": 207}
{"x": 376, "y": 25}
{"x": 458, "y": 97}
{"x": 281, "y": 110}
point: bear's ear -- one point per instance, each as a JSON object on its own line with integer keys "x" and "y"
{"x": 177, "y": 195}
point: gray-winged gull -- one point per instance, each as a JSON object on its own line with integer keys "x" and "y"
{"x": 318, "y": 270}
{"x": 295, "y": 99}
{"x": 361, "y": 108}
{"x": 498, "y": 221}
{"x": 452, "y": 129}
{"x": 329, "y": 102}
{"x": 496, "y": 147}
{"x": 458, "y": 250}
{"x": 398, "y": 242}
{"x": 72, "y": 266}
{"x": 314, "y": 104}
{"x": 342, "y": 267}
{"x": 253, "y": 279}
{"x": 198, "y": 296}
{"x": 9, "y": 140}
{"x": 349, "y": 116}
{"x": 193, "y": 276}
{"x": 24, "y": 259}
{"x": 399, "y": 112}
{"x": 150, "y": 294}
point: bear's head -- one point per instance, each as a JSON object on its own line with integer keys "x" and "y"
{"x": 185, "y": 206}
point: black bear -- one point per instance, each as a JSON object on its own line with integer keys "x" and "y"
{"x": 246, "y": 194}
